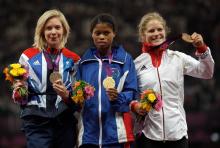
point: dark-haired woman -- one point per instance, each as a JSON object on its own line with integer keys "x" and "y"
{"x": 105, "y": 120}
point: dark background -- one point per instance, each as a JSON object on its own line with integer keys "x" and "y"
{"x": 202, "y": 97}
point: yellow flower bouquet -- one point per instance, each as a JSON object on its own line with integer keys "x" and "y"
{"x": 150, "y": 99}
{"x": 17, "y": 72}
{"x": 82, "y": 91}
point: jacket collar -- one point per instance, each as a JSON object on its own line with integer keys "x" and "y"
{"x": 119, "y": 55}
{"x": 53, "y": 50}
{"x": 147, "y": 47}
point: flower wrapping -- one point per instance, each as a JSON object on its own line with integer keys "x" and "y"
{"x": 17, "y": 72}
{"x": 82, "y": 91}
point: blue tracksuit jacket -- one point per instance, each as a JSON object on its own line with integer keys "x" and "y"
{"x": 102, "y": 122}
{"x": 42, "y": 102}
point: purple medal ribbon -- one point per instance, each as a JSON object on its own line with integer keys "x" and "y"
{"x": 52, "y": 61}
{"x": 107, "y": 66}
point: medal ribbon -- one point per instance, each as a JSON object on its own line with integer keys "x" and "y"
{"x": 107, "y": 66}
{"x": 52, "y": 62}
{"x": 163, "y": 46}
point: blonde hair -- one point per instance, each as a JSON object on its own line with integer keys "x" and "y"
{"x": 146, "y": 19}
{"x": 39, "y": 39}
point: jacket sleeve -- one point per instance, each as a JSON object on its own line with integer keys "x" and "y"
{"x": 129, "y": 87}
{"x": 202, "y": 68}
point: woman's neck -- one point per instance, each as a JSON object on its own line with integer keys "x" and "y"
{"x": 54, "y": 47}
{"x": 104, "y": 52}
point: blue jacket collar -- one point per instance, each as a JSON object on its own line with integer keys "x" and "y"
{"x": 119, "y": 55}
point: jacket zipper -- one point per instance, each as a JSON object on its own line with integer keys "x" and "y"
{"x": 99, "y": 102}
{"x": 158, "y": 75}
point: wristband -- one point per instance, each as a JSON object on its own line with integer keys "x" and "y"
{"x": 201, "y": 49}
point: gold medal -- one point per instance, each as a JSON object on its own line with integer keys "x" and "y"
{"x": 54, "y": 76}
{"x": 187, "y": 38}
{"x": 108, "y": 82}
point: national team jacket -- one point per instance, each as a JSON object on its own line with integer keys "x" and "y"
{"x": 39, "y": 101}
{"x": 168, "y": 80}
{"x": 103, "y": 122}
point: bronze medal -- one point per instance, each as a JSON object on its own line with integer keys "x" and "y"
{"x": 187, "y": 38}
{"x": 54, "y": 76}
{"x": 108, "y": 82}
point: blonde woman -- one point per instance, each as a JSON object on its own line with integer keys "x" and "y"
{"x": 163, "y": 70}
{"x": 47, "y": 121}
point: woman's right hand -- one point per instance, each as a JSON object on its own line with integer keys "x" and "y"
{"x": 20, "y": 92}
{"x": 18, "y": 84}
{"x": 139, "y": 110}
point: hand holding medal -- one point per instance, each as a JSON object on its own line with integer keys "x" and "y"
{"x": 58, "y": 86}
{"x": 196, "y": 39}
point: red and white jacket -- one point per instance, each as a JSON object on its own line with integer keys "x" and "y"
{"x": 164, "y": 73}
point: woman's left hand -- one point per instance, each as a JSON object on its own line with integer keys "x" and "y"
{"x": 60, "y": 89}
{"x": 197, "y": 40}
{"x": 112, "y": 94}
